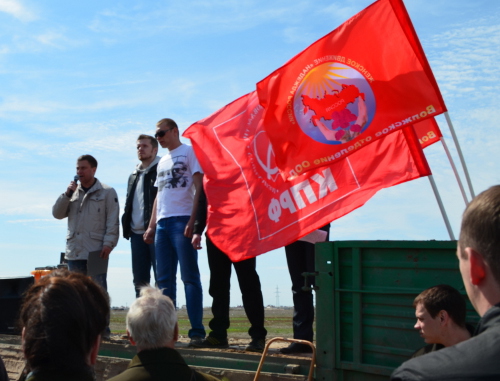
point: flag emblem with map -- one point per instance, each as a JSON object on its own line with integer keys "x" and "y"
{"x": 366, "y": 79}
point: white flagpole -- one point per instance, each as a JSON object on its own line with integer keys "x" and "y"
{"x": 461, "y": 186}
{"x": 441, "y": 207}
{"x": 459, "y": 150}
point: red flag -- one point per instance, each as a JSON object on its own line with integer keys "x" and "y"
{"x": 252, "y": 210}
{"x": 428, "y": 132}
{"x": 367, "y": 78}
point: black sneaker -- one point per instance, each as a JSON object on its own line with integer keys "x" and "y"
{"x": 209, "y": 342}
{"x": 296, "y": 348}
{"x": 195, "y": 341}
{"x": 256, "y": 345}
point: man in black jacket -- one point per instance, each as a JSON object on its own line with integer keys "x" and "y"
{"x": 141, "y": 194}
{"x": 220, "y": 285}
{"x": 479, "y": 261}
{"x": 440, "y": 311}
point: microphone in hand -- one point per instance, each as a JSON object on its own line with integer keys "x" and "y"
{"x": 71, "y": 191}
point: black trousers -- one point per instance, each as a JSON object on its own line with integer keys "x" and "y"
{"x": 300, "y": 259}
{"x": 220, "y": 285}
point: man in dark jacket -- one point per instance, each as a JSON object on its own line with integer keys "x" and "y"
{"x": 220, "y": 285}
{"x": 300, "y": 260}
{"x": 141, "y": 194}
{"x": 440, "y": 311}
{"x": 479, "y": 261}
{"x": 152, "y": 327}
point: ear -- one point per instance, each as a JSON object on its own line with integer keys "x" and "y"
{"x": 176, "y": 332}
{"x": 130, "y": 338}
{"x": 95, "y": 350}
{"x": 443, "y": 317}
{"x": 477, "y": 266}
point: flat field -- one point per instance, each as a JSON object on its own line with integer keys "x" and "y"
{"x": 278, "y": 322}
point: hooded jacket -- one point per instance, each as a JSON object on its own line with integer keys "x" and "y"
{"x": 149, "y": 195}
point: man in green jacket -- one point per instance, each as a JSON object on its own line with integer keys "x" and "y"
{"x": 152, "y": 327}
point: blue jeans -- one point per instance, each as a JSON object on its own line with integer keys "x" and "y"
{"x": 143, "y": 257}
{"x": 173, "y": 247}
{"x": 80, "y": 266}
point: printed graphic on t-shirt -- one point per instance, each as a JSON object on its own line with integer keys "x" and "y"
{"x": 176, "y": 175}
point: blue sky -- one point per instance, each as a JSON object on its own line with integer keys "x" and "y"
{"x": 89, "y": 77}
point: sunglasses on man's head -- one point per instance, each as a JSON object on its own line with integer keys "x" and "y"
{"x": 161, "y": 133}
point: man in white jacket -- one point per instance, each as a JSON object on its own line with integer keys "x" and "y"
{"x": 92, "y": 210}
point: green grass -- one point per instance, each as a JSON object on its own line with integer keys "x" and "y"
{"x": 278, "y": 322}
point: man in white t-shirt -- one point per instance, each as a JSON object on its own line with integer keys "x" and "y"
{"x": 179, "y": 180}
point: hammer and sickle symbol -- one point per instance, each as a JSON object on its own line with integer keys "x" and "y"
{"x": 269, "y": 158}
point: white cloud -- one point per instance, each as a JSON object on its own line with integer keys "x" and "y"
{"x": 465, "y": 59}
{"x": 341, "y": 12}
{"x": 17, "y": 9}
{"x": 107, "y": 85}
{"x": 31, "y": 220}
{"x": 14, "y": 104}
{"x": 214, "y": 17}
{"x": 297, "y": 34}
{"x": 57, "y": 39}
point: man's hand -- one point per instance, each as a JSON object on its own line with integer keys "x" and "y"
{"x": 149, "y": 235}
{"x": 196, "y": 241}
{"x": 188, "y": 230}
{"x": 106, "y": 250}
{"x": 71, "y": 189}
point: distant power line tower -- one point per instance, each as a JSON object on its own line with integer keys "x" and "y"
{"x": 277, "y": 296}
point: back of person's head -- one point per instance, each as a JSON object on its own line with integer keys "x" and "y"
{"x": 480, "y": 228}
{"x": 152, "y": 319}
{"x": 62, "y": 316}
{"x": 443, "y": 297}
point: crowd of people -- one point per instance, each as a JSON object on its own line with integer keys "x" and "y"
{"x": 65, "y": 315}
{"x": 164, "y": 218}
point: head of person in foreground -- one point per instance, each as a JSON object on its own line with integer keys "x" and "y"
{"x": 152, "y": 320}
{"x": 478, "y": 250}
{"x": 62, "y": 317}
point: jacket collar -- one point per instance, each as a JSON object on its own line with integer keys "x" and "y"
{"x": 490, "y": 318}
{"x": 57, "y": 375}
{"x": 97, "y": 186}
{"x": 164, "y": 355}
{"x": 153, "y": 163}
